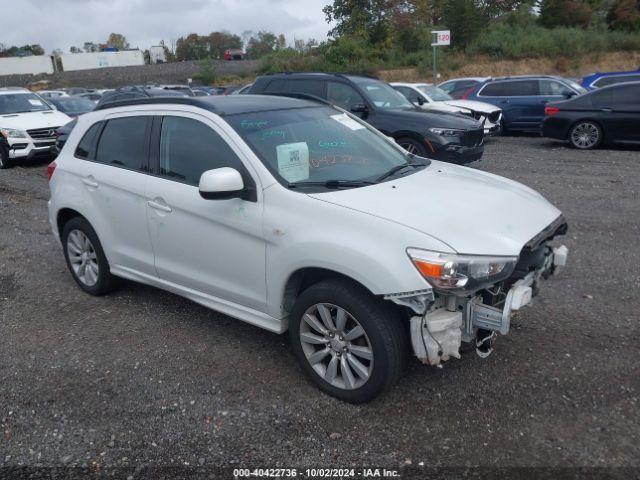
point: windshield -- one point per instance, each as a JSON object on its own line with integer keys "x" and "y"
{"x": 434, "y": 93}
{"x": 74, "y": 105}
{"x": 381, "y": 94}
{"x": 317, "y": 144}
{"x": 21, "y": 103}
{"x": 576, "y": 86}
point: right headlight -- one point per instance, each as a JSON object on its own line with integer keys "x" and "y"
{"x": 447, "y": 132}
{"x": 453, "y": 272}
{"x": 12, "y": 133}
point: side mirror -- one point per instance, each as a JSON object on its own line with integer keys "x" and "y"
{"x": 420, "y": 101}
{"x": 570, "y": 94}
{"x": 222, "y": 184}
{"x": 360, "y": 108}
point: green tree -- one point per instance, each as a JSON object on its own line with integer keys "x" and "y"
{"x": 221, "y": 41}
{"x": 465, "y": 19}
{"x": 360, "y": 17}
{"x": 565, "y": 13}
{"x": 261, "y": 44}
{"x": 624, "y": 15}
{"x": 117, "y": 40}
{"x": 192, "y": 47}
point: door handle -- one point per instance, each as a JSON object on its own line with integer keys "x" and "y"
{"x": 159, "y": 206}
{"x": 90, "y": 182}
{"x": 607, "y": 110}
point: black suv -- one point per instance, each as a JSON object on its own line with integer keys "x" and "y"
{"x": 443, "y": 136}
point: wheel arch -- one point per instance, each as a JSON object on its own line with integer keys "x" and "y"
{"x": 302, "y": 278}
{"x": 64, "y": 215}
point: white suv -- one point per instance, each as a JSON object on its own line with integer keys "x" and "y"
{"x": 291, "y": 214}
{"x": 27, "y": 126}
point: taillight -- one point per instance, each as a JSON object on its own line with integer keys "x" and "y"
{"x": 466, "y": 94}
{"x": 551, "y": 110}
{"x": 50, "y": 169}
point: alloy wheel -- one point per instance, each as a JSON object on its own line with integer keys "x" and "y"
{"x": 585, "y": 135}
{"x": 83, "y": 258}
{"x": 336, "y": 346}
{"x": 409, "y": 147}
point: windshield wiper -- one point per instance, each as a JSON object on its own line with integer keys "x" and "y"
{"x": 397, "y": 168}
{"x": 332, "y": 184}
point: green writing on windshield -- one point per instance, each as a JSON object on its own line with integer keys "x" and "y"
{"x": 253, "y": 123}
{"x": 332, "y": 143}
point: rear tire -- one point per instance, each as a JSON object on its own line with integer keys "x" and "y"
{"x": 348, "y": 342}
{"x": 5, "y": 161}
{"x": 86, "y": 259}
{"x": 585, "y": 135}
{"x": 413, "y": 146}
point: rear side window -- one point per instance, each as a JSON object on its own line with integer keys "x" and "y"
{"x": 309, "y": 87}
{"x": 523, "y": 88}
{"x": 604, "y": 81}
{"x": 498, "y": 89}
{"x": 626, "y": 96}
{"x": 276, "y": 86}
{"x": 84, "y": 150}
{"x": 123, "y": 143}
{"x": 189, "y": 147}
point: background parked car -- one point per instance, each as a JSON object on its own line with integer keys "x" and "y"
{"x": 52, "y": 94}
{"x": 73, "y": 106}
{"x": 127, "y": 93}
{"x": 92, "y": 96}
{"x": 607, "y": 115}
{"x": 243, "y": 90}
{"x": 430, "y": 97}
{"x": 234, "y": 54}
{"x": 449, "y": 137}
{"x": 522, "y": 99}
{"x": 602, "y": 79}
{"x": 456, "y": 87}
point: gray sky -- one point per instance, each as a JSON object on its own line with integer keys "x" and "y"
{"x": 62, "y": 23}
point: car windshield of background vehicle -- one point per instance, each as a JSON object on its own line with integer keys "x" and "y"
{"x": 381, "y": 94}
{"x": 576, "y": 86}
{"x": 21, "y": 103}
{"x": 434, "y": 93}
{"x": 76, "y": 105}
{"x": 318, "y": 144}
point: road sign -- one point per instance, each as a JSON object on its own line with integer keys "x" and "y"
{"x": 441, "y": 37}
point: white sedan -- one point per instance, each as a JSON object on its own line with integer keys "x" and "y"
{"x": 430, "y": 97}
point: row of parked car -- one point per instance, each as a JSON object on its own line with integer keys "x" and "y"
{"x": 448, "y": 122}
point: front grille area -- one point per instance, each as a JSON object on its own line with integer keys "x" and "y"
{"x": 494, "y": 116}
{"x": 473, "y": 138}
{"x": 42, "y": 133}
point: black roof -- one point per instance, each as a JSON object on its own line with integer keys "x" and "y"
{"x": 221, "y": 105}
{"x": 319, "y": 75}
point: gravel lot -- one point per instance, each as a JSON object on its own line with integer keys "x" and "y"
{"x": 143, "y": 377}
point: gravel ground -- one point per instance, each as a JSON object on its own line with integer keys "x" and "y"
{"x": 143, "y": 377}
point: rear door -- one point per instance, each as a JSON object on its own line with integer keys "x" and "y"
{"x": 114, "y": 175}
{"x": 624, "y": 113}
{"x": 526, "y": 104}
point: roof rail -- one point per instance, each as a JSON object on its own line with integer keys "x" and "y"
{"x": 301, "y": 96}
{"x": 154, "y": 100}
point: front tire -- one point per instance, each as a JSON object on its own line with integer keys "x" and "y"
{"x": 86, "y": 259}
{"x": 585, "y": 135}
{"x": 348, "y": 342}
{"x": 413, "y": 146}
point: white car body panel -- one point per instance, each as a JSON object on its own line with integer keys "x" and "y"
{"x": 362, "y": 233}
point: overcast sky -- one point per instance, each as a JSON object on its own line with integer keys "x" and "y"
{"x": 63, "y": 23}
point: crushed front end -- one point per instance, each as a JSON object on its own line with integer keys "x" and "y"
{"x": 464, "y": 308}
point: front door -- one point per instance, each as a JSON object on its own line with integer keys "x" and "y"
{"x": 211, "y": 246}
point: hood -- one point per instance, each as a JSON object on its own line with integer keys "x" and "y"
{"x": 471, "y": 211}
{"x": 29, "y": 120}
{"x": 440, "y": 107}
{"x": 481, "y": 107}
{"x": 429, "y": 119}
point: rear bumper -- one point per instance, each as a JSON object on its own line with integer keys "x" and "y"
{"x": 555, "y": 128}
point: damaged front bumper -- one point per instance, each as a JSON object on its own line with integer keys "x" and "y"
{"x": 437, "y": 335}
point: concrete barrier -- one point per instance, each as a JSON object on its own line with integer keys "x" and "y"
{"x": 33, "y": 65}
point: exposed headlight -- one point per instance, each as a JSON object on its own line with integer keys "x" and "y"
{"x": 12, "y": 133}
{"x": 450, "y": 272}
{"x": 446, "y": 132}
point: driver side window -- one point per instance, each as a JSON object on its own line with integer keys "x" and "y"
{"x": 552, "y": 88}
{"x": 343, "y": 95}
